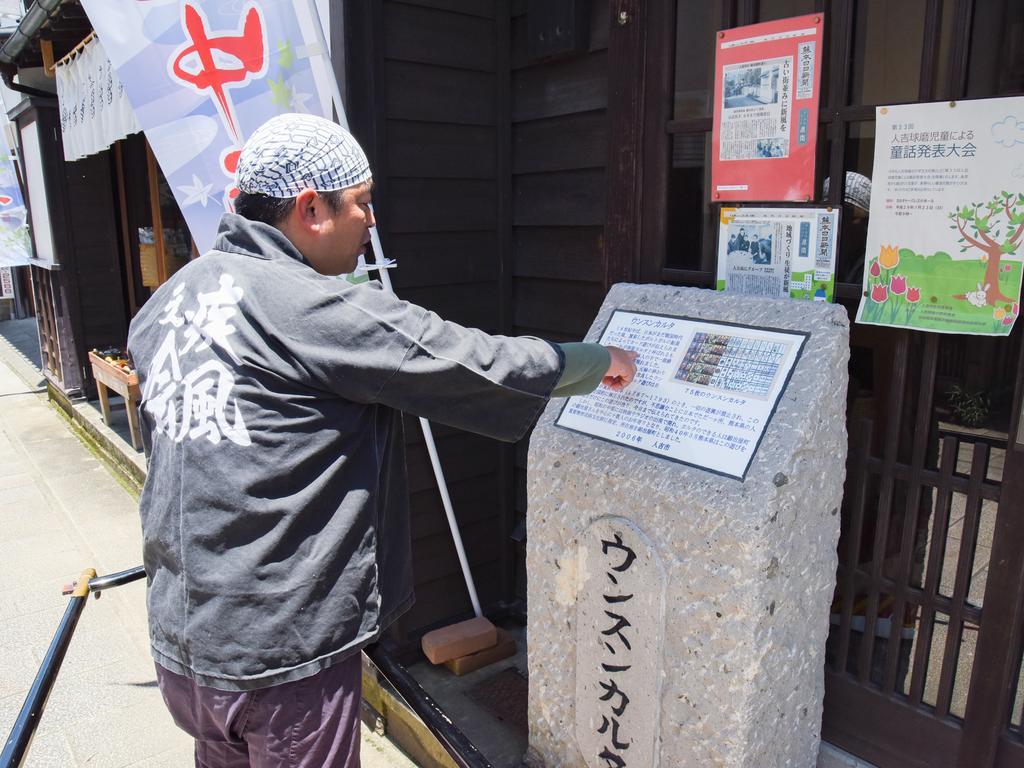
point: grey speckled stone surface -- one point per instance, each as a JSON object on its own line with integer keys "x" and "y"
{"x": 750, "y": 565}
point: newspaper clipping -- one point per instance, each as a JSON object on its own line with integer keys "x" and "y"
{"x": 778, "y": 252}
{"x": 765, "y": 127}
{"x": 756, "y": 110}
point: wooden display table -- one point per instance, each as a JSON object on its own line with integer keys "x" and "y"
{"x": 126, "y": 385}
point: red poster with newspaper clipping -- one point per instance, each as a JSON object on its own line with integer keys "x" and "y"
{"x": 767, "y": 79}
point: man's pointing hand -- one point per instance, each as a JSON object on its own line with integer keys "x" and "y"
{"x": 622, "y": 369}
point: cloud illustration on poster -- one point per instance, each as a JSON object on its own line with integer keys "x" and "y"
{"x": 1008, "y": 132}
{"x": 130, "y": 32}
{"x": 7, "y": 177}
{"x": 15, "y": 217}
{"x": 183, "y": 140}
{"x": 162, "y": 23}
{"x": 233, "y": 8}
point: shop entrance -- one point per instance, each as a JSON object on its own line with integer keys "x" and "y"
{"x": 924, "y": 656}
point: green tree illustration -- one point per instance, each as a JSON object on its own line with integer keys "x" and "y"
{"x": 994, "y": 228}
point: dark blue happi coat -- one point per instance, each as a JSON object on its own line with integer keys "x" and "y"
{"x": 275, "y": 510}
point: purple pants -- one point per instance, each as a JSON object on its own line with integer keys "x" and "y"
{"x": 309, "y": 723}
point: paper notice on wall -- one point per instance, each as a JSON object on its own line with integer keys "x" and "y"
{"x": 6, "y": 283}
{"x": 778, "y": 252}
{"x": 945, "y": 245}
{"x": 766, "y": 110}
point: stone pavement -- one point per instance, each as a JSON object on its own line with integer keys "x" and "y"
{"x": 62, "y": 511}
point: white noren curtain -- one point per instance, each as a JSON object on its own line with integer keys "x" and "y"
{"x": 94, "y": 108}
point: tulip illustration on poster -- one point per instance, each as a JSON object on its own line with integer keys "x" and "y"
{"x": 944, "y": 249}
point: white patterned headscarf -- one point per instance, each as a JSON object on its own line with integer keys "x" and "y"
{"x": 857, "y": 191}
{"x": 293, "y": 152}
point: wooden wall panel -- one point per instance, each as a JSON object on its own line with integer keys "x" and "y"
{"x": 481, "y": 8}
{"x": 493, "y": 182}
{"x": 567, "y": 198}
{"x": 559, "y": 253}
{"x": 441, "y": 205}
{"x": 444, "y": 600}
{"x": 439, "y": 94}
{"x": 437, "y": 110}
{"x": 522, "y": 497}
{"x": 100, "y": 298}
{"x": 563, "y": 87}
{"x": 443, "y": 258}
{"x": 469, "y": 456}
{"x": 559, "y": 152}
{"x": 560, "y": 143}
{"x": 559, "y": 155}
{"x": 565, "y": 307}
{"x": 441, "y": 151}
{"x": 598, "y": 32}
{"x": 434, "y": 553}
{"x": 473, "y": 500}
{"x": 427, "y": 36}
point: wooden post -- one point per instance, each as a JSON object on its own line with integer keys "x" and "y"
{"x": 46, "y": 50}
{"x": 627, "y": 39}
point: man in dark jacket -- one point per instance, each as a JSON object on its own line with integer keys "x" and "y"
{"x": 275, "y": 510}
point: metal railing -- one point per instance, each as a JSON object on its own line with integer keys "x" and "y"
{"x": 460, "y": 748}
{"x": 16, "y": 748}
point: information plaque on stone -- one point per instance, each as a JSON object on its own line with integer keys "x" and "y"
{"x": 703, "y": 394}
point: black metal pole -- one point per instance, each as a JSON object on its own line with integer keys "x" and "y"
{"x": 28, "y": 719}
{"x": 462, "y": 750}
{"x": 117, "y": 579}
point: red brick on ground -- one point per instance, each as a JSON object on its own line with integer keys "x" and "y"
{"x": 460, "y": 639}
{"x": 505, "y": 648}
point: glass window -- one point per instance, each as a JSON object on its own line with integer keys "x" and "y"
{"x": 166, "y": 246}
{"x": 947, "y": 34}
{"x": 177, "y": 239}
{"x": 888, "y": 39}
{"x": 771, "y": 10}
{"x": 859, "y": 152}
{"x": 859, "y": 156}
{"x": 690, "y": 235}
{"x": 996, "y": 66}
{"x": 696, "y": 25}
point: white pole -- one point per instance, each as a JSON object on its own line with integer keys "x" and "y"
{"x": 385, "y": 278}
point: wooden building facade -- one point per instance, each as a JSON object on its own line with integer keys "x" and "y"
{"x": 489, "y": 167}
{"x": 92, "y": 221}
{"x": 530, "y": 154}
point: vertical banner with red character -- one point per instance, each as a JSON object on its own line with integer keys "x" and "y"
{"x": 15, "y": 243}
{"x": 767, "y": 83}
{"x": 201, "y": 75}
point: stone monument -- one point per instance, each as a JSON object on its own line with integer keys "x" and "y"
{"x": 681, "y": 553}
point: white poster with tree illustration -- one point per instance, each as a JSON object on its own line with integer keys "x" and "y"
{"x": 944, "y": 249}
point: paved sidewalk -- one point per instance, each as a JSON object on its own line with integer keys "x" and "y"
{"x": 62, "y": 511}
